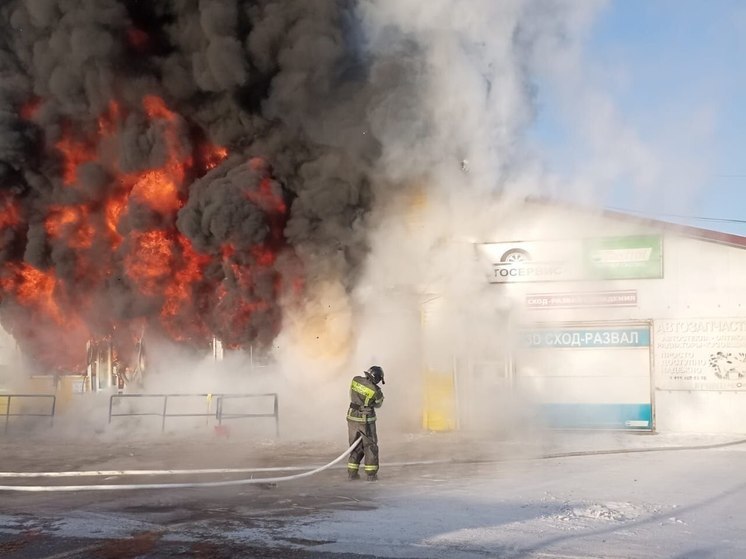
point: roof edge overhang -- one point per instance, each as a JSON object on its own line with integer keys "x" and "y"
{"x": 689, "y": 231}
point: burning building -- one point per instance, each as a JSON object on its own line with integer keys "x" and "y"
{"x": 162, "y": 171}
{"x": 215, "y": 170}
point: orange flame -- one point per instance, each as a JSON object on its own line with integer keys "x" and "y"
{"x": 113, "y": 210}
{"x": 158, "y": 190}
{"x": 149, "y": 263}
{"x": 9, "y": 214}
{"x": 213, "y": 156}
{"x": 71, "y": 221}
{"x": 36, "y": 289}
{"x": 263, "y": 255}
{"x": 161, "y": 262}
{"x": 109, "y": 120}
{"x": 74, "y": 154}
{"x": 266, "y": 198}
{"x": 179, "y": 291}
{"x": 155, "y": 107}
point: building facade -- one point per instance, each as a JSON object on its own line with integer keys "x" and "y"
{"x": 611, "y": 322}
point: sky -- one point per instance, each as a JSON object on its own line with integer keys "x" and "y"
{"x": 656, "y": 119}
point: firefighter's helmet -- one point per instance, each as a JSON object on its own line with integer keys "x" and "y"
{"x": 375, "y": 373}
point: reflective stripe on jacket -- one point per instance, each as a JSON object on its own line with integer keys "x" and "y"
{"x": 365, "y": 397}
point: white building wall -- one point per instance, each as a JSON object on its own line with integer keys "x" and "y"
{"x": 704, "y": 301}
{"x": 703, "y": 289}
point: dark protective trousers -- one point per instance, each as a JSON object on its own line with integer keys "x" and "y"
{"x": 368, "y": 447}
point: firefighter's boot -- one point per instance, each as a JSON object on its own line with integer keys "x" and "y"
{"x": 352, "y": 475}
{"x": 373, "y": 476}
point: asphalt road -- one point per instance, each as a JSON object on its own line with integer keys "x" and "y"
{"x": 174, "y": 523}
{"x": 230, "y": 522}
{"x": 496, "y": 502}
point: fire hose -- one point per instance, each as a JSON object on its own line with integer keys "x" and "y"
{"x": 120, "y": 487}
{"x": 265, "y": 481}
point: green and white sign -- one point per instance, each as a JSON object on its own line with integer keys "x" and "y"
{"x": 629, "y": 257}
{"x": 634, "y": 257}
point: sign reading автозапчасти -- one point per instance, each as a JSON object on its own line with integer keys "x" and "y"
{"x": 700, "y": 354}
{"x": 630, "y": 257}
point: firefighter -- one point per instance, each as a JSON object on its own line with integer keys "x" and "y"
{"x": 365, "y": 397}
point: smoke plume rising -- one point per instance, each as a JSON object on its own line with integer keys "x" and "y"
{"x": 177, "y": 166}
{"x": 285, "y": 175}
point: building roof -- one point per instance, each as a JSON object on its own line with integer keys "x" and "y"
{"x": 708, "y": 235}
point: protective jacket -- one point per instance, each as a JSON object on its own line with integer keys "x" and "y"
{"x": 365, "y": 397}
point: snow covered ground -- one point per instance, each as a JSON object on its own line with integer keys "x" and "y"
{"x": 684, "y": 504}
{"x": 569, "y": 495}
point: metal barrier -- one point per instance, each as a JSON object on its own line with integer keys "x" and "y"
{"x": 219, "y": 414}
{"x": 9, "y": 398}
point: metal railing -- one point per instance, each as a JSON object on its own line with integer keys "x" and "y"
{"x": 219, "y": 414}
{"x": 9, "y": 399}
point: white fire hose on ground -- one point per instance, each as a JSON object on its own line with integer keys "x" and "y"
{"x": 119, "y": 487}
{"x": 272, "y": 480}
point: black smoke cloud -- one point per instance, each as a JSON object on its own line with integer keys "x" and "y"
{"x": 281, "y": 82}
{"x": 322, "y": 118}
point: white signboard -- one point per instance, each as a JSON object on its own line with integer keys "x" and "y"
{"x": 700, "y": 354}
{"x": 573, "y": 300}
{"x": 533, "y": 261}
{"x": 591, "y": 377}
